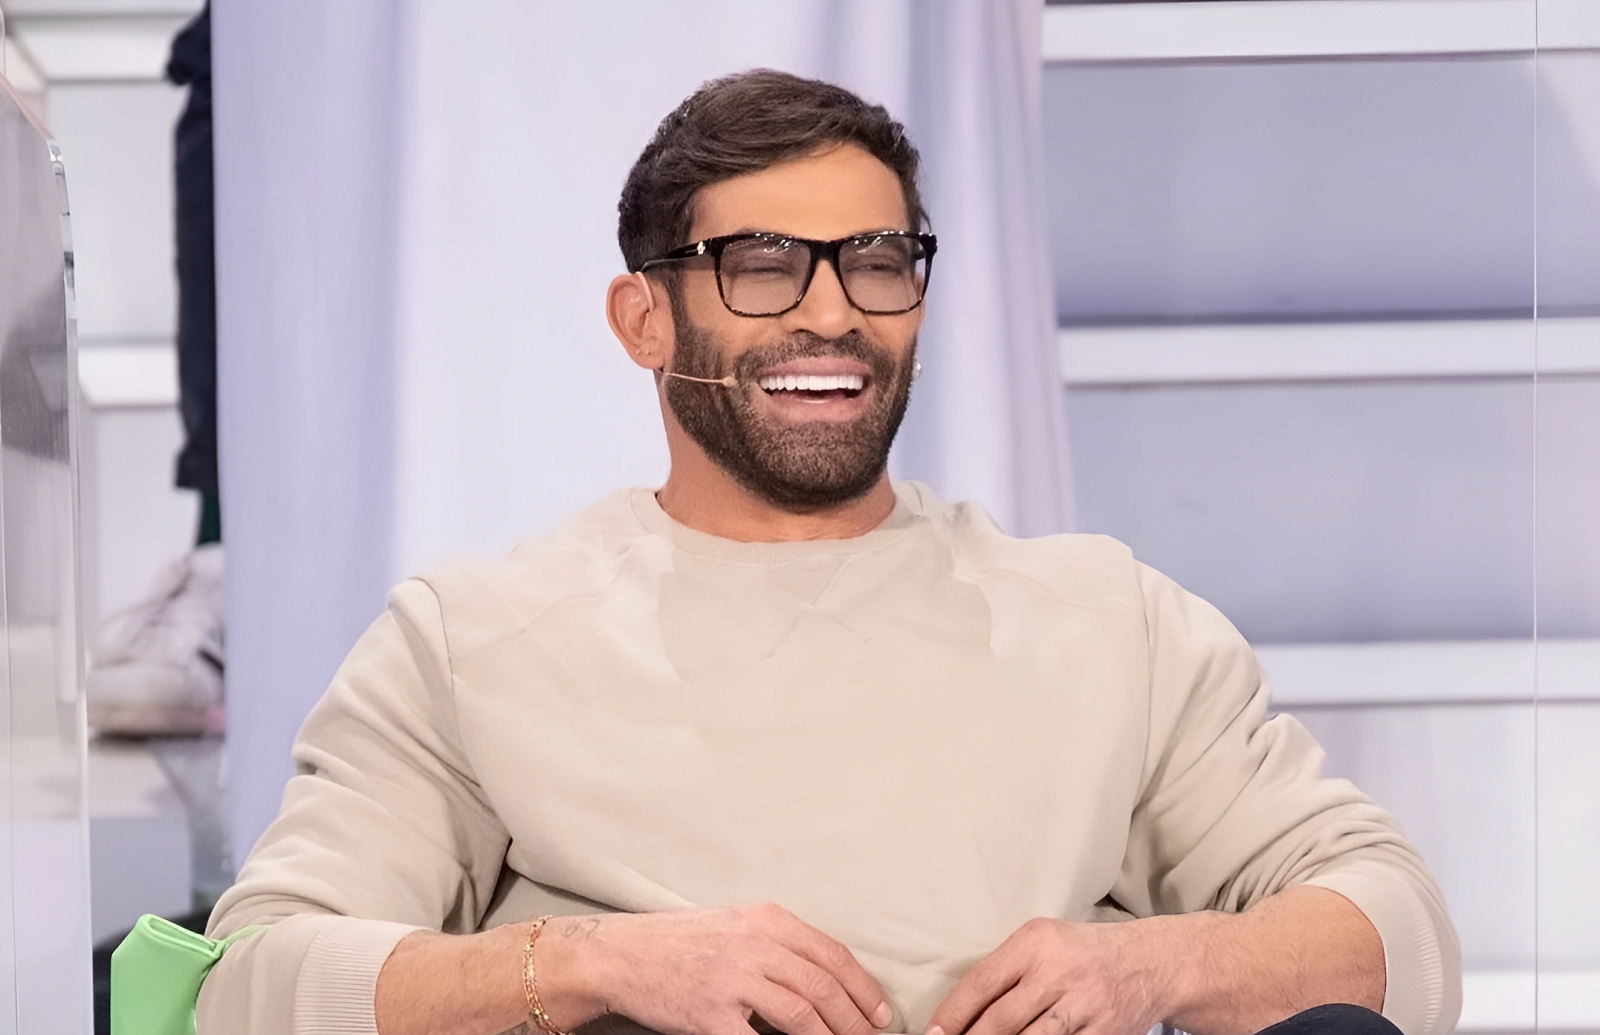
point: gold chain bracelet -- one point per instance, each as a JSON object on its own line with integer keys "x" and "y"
{"x": 530, "y": 983}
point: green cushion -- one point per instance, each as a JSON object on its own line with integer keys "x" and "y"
{"x": 156, "y": 974}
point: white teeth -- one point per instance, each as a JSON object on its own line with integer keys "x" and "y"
{"x": 813, "y": 382}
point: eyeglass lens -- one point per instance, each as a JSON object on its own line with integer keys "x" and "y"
{"x": 763, "y": 277}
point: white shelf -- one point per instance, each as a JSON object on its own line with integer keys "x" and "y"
{"x": 98, "y": 49}
{"x": 21, "y": 9}
{"x": 1185, "y": 353}
{"x": 1344, "y": 675}
{"x": 138, "y": 838}
{"x": 1267, "y": 29}
{"x": 1504, "y": 1001}
{"x": 1569, "y": 25}
{"x": 116, "y": 375}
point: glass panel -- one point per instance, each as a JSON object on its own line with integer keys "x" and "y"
{"x": 1296, "y": 292}
{"x": 1461, "y": 776}
{"x": 1568, "y": 541}
{"x": 44, "y": 902}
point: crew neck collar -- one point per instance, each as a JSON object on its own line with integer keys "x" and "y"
{"x": 906, "y": 514}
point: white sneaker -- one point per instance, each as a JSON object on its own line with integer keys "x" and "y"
{"x": 161, "y": 671}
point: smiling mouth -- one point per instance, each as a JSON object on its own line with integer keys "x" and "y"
{"x": 813, "y": 387}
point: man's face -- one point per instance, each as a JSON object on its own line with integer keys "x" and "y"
{"x": 804, "y": 447}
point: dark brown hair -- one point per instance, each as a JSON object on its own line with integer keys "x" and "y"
{"x": 741, "y": 124}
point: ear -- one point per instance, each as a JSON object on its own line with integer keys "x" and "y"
{"x": 641, "y": 318}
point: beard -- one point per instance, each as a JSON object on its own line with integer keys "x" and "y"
{"x": 796, "y": 465}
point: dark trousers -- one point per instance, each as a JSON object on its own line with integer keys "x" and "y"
{"x": 1334, "y": 1019}
{"x": 190, "y": 66}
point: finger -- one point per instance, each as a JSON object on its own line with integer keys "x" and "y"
{"x": 1014, "y": 1011}
{"x": 823, "y": 991}
{"x": 988, "y": 980}
{"x": 834, "y": 957}
{"x": 787, "y": 1011}
{"x": 1057, "y": 1020}
{"x": 736, "y": 1026}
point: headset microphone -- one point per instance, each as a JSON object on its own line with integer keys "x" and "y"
{"x": 727, "y": 382}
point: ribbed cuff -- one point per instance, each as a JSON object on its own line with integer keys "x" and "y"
{"x": 339, "y": 977}
{"x": 1422, "y": 965}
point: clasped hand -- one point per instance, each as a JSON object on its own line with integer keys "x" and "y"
{"x": 707, "y": 972}
{"x": 1055, "y": 977}
{"x": 712, "y": 971}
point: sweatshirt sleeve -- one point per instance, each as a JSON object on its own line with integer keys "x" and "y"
{"x": 383, "y": 830}
{"x": 1234, "y": 808}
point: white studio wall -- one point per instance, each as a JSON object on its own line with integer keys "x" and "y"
{"x": 416, "y": 225}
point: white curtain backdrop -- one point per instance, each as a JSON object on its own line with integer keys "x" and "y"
{"x": 416, "y": 227}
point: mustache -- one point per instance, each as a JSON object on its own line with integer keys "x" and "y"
{"x": 809, "y": 345}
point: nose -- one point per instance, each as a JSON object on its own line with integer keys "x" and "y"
{"x": 826, "y": 310}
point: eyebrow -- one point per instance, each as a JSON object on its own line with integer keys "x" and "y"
{"x": 780, "y": 233}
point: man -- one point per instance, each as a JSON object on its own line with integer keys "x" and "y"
{"x": 785, "y": 746}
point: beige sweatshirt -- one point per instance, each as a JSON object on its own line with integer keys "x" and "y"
{"x": 916, "y": 740}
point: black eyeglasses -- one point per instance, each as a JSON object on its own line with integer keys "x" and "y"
{"x": 883, "y": 273}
